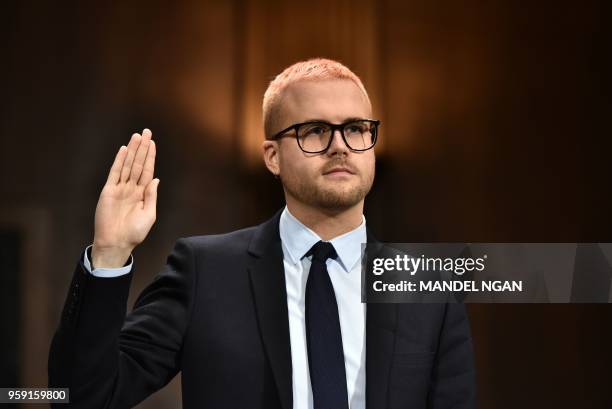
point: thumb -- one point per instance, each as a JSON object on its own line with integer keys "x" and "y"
{"x": 150, "y": 198}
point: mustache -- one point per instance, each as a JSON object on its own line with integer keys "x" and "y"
{"x": 334, "y": 163}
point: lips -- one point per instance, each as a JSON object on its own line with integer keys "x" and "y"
{"x": 339, "y": 170}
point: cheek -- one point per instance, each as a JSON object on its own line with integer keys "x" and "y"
{"x": 292, "y": 163}
{"x": 366, "y": 163}
{"x": 296, "y": 164}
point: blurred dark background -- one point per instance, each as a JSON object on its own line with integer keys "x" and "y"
{"x": 495, "y": 129}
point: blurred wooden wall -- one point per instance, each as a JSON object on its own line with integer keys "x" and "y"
{"x": 495, "y": 128}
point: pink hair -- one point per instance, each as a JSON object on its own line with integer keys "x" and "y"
{"x": 313, "y": 69}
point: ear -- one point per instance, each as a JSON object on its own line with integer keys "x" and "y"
{"x": 270, "y": 155}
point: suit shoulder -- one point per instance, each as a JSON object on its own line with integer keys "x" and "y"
{"x": 236, "y": 240}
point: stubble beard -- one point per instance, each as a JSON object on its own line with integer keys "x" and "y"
{"x": 332, "y": 197}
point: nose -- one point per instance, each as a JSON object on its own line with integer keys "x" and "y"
{"x": 337, "y": 146}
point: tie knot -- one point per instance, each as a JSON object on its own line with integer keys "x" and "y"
{"x": 322, "y": 250}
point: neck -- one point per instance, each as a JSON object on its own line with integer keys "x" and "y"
{"x": 327, "y": 223}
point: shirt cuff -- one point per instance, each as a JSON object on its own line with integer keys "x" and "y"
{"x": 107, "y": 272}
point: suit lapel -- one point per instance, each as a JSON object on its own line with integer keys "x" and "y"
{"x": 267, "y": 276}
{"x": 381, "y": 322}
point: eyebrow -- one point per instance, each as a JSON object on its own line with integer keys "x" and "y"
{"x": 349, "y": 119}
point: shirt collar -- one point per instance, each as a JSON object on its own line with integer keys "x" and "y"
{"x": 297, "y": 239}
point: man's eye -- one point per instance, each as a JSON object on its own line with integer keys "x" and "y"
{"x": 315, "y": 130}
{"x": 356, "y": 128}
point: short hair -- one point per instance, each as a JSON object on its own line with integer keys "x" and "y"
{"x": 312, "y": 69}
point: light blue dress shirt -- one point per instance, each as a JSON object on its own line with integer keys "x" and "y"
{"x": 345, "y": 275}
{"x": 107, "y": 272}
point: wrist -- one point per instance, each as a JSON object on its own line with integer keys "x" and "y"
{"x": 109, "y": 257}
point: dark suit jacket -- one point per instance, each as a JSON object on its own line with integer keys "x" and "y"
{"x": 218, "y": 313}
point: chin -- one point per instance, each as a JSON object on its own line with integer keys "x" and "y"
{"x": 338, "y": 198}
{"x": 327, "y": 194}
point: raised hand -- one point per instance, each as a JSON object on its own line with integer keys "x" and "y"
{"x": 126, "y": 208}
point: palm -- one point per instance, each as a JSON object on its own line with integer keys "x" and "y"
{"x": 126, "y": 209}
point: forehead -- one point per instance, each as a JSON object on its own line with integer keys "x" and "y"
{"x": 332, "y": 100}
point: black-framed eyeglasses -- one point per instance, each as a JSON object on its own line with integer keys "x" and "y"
{"x": 316, "y": 136}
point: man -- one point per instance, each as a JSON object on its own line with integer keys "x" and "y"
{"x": 269, "y": 316}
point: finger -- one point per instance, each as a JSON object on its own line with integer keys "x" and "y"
{"x": 149, "y": 166}
{"x": 140, "y": 156}
{"x": 129, "y": 159}
{"x": 115, "y": 172}
{"x": 150, "y": 199}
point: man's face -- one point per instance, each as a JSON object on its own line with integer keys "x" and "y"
{"x": 338, "y": 178}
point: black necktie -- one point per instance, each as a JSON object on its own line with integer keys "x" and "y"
{"x": 323, "y": 336}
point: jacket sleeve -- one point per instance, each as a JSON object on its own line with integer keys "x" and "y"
{"x": 453, "y": 384}
{"x": 110, "y": 360}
